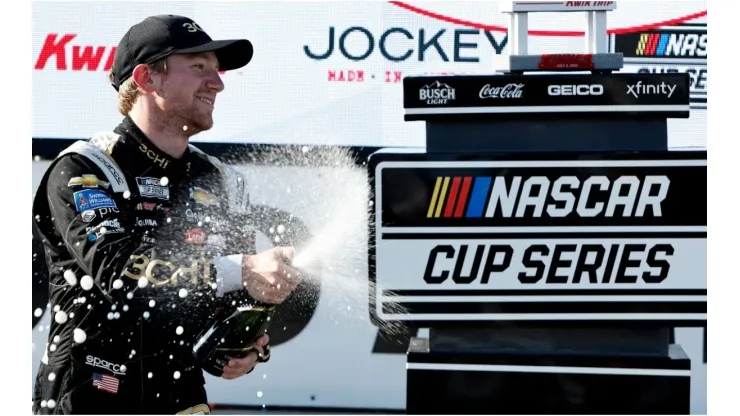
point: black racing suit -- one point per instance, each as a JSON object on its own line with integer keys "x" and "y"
{"x": 137, "y": 266}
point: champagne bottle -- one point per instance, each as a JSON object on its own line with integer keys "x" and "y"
{"x": 232, "y": 335}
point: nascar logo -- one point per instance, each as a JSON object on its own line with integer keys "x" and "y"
{"x": 593, "y": 196}
{"x": 449, "y": 201}
{"x": 672, "y": 44}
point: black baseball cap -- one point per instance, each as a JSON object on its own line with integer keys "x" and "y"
{"x": 159, "y": 36}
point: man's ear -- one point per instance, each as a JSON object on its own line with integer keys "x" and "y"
{"x": 144, "y": 78}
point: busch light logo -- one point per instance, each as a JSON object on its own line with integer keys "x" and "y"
{"x": 507, "y": 91}
{"x": 437, "y": 93}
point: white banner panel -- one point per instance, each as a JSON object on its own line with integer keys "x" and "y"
{"x": 330, "y": 72}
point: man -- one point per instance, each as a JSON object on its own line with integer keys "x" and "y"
{"x": 146, "y": 237}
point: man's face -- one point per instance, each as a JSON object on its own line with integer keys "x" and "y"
{"x": 188, "y": 92}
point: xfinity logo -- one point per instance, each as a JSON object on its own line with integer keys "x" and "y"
{"x": 640, "y": 89}
{"x": 112, "y": 367}
{"x": 557, "y": 90}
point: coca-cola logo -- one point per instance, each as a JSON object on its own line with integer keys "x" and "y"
{"x": 506, "y": 91}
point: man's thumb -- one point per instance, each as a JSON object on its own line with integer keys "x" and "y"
{"x": 285, "y": 253}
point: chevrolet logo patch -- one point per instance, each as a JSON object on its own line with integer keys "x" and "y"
{"x": 88, "y": 181}
{"x": 200, "y": 409}
{"x": 202, "y": 196}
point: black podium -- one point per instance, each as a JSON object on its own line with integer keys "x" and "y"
{"x": 547, "y": 238}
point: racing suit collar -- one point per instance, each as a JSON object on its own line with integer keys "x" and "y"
{"x": 150, "y": 153}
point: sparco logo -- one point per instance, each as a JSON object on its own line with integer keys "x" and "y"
{"x": 112, "y": 169}
{"x": 557, "y": 90}
{"x": 507, "y": 91}
{"x": 112, "y": 367}
{"x": 640, "y": 89}
{"x": 437, "y": 93}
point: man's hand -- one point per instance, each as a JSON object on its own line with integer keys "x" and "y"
{"x": 267, "y": 277}
{"x": 241, "y": 366}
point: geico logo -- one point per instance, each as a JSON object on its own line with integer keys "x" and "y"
{"x": 151, "y": 154}
{"x": 557, "y": 264}
{"x": 161, "y": 272}
{"x": 112, "y": 367}
{"x": 556, "y": 90}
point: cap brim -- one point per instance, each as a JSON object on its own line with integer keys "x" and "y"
{"x": 231, "y": 54}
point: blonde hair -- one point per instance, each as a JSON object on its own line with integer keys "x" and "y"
{"x": 128, "y": 92}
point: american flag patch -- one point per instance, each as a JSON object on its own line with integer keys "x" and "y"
{"x": 105, "y": 382}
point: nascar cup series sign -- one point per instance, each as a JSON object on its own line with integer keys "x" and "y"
{"x": 608, "y": 238}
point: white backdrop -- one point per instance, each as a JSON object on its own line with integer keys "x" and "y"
{"x": 285, "y": 96}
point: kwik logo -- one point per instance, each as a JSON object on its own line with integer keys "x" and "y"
{"x": 64, "y": 52}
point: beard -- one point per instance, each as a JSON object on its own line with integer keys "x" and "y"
{"x": 179, "y": 118}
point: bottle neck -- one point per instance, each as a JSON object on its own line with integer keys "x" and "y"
{"x": 247, "y": 302}
{"x": 242, "y": 300}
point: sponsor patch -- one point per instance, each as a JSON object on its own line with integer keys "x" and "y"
{"x": 200, "y": 409}
{"x": 194, "y": 216}
{"x": 114, "y": 368}
{"x": 87, "y": 181}
{"x": 92, "y": 199}
{"x": 146, "y": 222}
{"x": 195, "y": 237}
{"x": 106, "y": 227}
{"x": 88, "y": 216}
{"x": 146, "y": 206}
{"x": 109, "y": 225}
{"x": 202, "y": 196}
{"x": 106, "y": 211}
{"x": 152, "y": 188}
{"x": 216, "y": 241}
{"x": 152, "y": 206}
{"x": 105, "y": 382}
{"x": 112, "y": 226}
